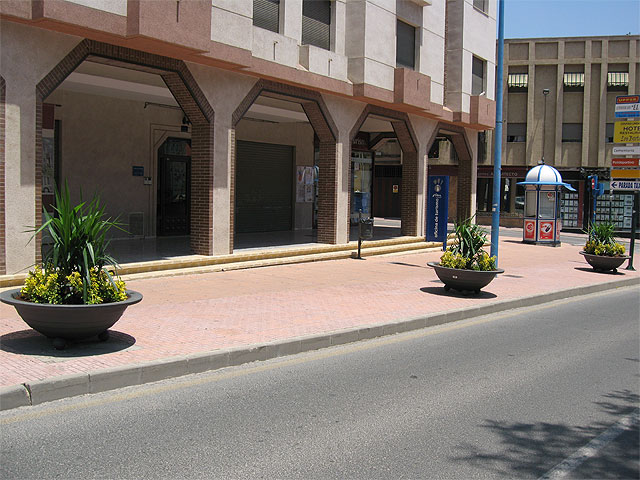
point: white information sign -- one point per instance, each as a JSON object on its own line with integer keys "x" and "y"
{"x": 625, "y": 185}
{"x": 628, "y": 150}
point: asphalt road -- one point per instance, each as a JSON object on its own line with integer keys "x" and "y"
{"x": 511, "y": 395}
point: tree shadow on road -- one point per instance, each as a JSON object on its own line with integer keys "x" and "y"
{"x": 532, "y": 449}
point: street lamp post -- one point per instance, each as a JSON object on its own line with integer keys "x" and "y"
{"x": 545, "y": 92}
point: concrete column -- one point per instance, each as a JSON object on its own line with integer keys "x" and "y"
{"x": 424, "y": 130}
{"x": 633, "y": 80}
{"x": 602, "y": 118}
{"x": 345, "y": 113}
{"x": 559, "y": 111}
{"x": 586, "y": 106}
{"x": 224, "y": 91}
{"x": 27, "y": 55}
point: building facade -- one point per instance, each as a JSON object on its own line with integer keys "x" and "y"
{"x": 559, "y": 103}
{"x": 212, "y": 118}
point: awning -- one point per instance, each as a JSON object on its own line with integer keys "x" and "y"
{"x": 562, "y": 184}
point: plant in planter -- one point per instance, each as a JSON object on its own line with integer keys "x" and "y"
{"x": 465, "y": 266}
{"x": 602, "y": 251}
{"x": 73, "y": 295}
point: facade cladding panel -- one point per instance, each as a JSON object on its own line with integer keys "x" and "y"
{"x": 264, "y": 183}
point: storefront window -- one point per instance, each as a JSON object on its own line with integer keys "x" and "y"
{"x": 530, "y": 203}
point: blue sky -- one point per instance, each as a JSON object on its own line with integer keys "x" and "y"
{"x": 570, "y": 18}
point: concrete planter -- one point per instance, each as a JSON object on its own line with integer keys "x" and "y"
{"x": 603, "y": 263}
{"x": 464, "y": 280}
{"x": 69, "y": 322}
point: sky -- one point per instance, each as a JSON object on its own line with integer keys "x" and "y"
{"x": 570, "y": 18}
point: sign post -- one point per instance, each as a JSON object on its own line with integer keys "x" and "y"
{"x": 437, "y": 209}
{"x": 625, "y": 172}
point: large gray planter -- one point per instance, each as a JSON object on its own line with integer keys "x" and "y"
{"x": 603, "y": 263}
{"x": 69, "y": 322}
{"x": 464, "y": 280}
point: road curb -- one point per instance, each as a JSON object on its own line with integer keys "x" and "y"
{"x": 55, "y": 388}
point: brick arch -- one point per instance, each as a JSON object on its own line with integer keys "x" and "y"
{"x": 409, "y": 145}
{"x": 3, "y": 230}
{"x": 326, "y": 131}
{"x": 189, "y": 96}
{"x": 466, "y": 167}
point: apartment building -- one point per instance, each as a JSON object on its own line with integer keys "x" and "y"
{"x": 559, "y": 102}
{"x": 213, "y": 119}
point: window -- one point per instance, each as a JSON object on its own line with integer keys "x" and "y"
{"x": 517, "y": 82}
{"x": 477, "y": 76}
{"x": 405, "y": 45}
{"x": 316, "y": 23}
{"x": 572, "y": 132}
{"x": 482, "y": 146}
{"x": 617, "y": 81}
{"x": 516, "y": 132}
{"x": 609, "y": 132}
{"x": 573, "y": 82}
{"x": 481, "y": 5}
{"x": 266, "y": 14}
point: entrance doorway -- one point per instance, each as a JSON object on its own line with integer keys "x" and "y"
{"x": 174, "y": 187}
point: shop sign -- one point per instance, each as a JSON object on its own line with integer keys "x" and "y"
{"x": 625, "y": 173}
{"x": 437, "y": 208}
{"x": 529, "y": 229}
{"x": 627, "y": 132}
{"x": 546, "y": 230}
{"x": 627, "y": 106}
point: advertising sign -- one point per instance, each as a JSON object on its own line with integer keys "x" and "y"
{"x": 437, "y": 208}
{"x": 546, "y": 230}
{"x": 625, "y": 162}
{"x": 627, "y": 132}
{"x": 627, "y": 106}
{"x": 625, "y": 173}
{"x": 530, "y": 230}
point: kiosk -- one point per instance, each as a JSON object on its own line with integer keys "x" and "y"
{"x": 542, "y": 222}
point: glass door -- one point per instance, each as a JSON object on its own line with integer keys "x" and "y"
{"x": 361, "y": 185}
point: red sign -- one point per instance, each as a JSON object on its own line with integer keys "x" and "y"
{"x": 529, "y": 229}
{"x": 546, "y": 230}
{"x": 625, "y": 162}
{"x": 627, "y": 99}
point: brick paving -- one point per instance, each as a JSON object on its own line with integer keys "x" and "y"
{"x": 202, "y": 313}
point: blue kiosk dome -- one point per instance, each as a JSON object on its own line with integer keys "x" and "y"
{"x": 545, "y": 175}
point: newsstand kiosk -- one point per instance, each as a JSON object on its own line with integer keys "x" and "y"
{"x": 542, "y": 221}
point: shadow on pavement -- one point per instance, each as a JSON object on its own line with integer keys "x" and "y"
{"x": 30, "y": 342}
{"x": 532, "y": 449}
{"x": 453, "y": 293}
{"x": 591, "y": 270}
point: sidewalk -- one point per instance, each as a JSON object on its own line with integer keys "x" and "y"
{"x": 183, "y": 322}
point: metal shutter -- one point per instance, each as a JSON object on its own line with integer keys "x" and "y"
{"x": 266, "y": 14}
{"x": 316, "y": 23}
{"x": 264, "y": 187}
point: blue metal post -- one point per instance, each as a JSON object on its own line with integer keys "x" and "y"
{"x": 497, "y": 140}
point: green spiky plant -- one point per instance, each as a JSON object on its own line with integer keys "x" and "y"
{"x": 467, "y": 252}
{"x": 74, "y": 268}
{"x": 601, "y": 240}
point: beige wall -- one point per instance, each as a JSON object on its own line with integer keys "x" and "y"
{"x": 102, "y": 139}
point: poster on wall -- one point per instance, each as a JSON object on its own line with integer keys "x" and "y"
{"x": 300, "y": 184}
{"x": 308, "y": 193}
{"x": 530, "y": 230}
{"x": 546, "y": 230}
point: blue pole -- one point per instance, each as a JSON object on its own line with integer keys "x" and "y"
{"x": 497, "y": 140}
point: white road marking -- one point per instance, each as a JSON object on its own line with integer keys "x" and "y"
{"x": 592, "y": 448}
